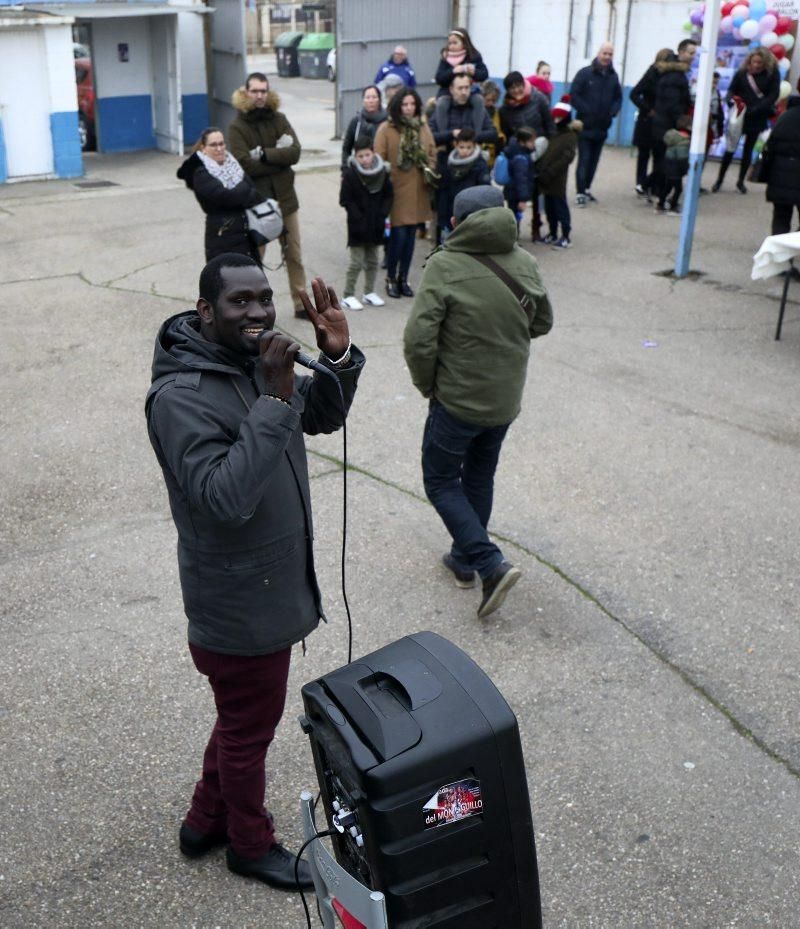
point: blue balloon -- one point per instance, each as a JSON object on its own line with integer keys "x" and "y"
{"x": 758, "y": 8}
{"x": 738, "y": 20}
{"x": 754, "y": 44}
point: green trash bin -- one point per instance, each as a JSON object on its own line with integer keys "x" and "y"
{"x": 313, "y": 53}
{"x": 286, "y": 53}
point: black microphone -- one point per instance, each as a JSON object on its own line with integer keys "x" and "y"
{"x": 308, "y": 362}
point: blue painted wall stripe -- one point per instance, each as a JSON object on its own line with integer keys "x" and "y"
{"x": 3, "y": 159}
{"x": 195, "y": 116}
{"x": 67, "y": 158}
{"x": 125, "y": 123}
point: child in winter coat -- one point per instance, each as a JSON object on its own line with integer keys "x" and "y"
{"x": 366, "y": 194}
{"x": 676, "y": 164}
{"x": 522, "y": 187}
{"x": 465, "y": 167}
{"x": 552, "y": 170}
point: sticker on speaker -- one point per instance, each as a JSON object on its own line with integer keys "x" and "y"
{"x": 453, "y": 802}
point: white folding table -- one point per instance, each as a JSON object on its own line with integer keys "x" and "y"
{"x": 776, "y": 255}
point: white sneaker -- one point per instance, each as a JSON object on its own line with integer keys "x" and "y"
{"x": 373, "y": 299}
{"x": 350, "y": 303}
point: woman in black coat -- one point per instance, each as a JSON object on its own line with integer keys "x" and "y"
{"x": 365, "y": 123}
{"x": 460, "y": 56}
{"x": 782, "y": 155}
{"x": 224, "y": 192}
{"x": 643, "y": 97}
{"x": 758, "y": 83}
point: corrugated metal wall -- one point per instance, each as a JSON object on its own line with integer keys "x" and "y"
{"x": 367, "y": 32}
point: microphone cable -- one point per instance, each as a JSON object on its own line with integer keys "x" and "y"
{"x": 331, "y": 832}
{"x": 303, "y": 847}
{"x": 328, "y": 371}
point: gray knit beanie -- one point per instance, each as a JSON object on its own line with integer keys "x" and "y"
{"x": 473, "y": 199}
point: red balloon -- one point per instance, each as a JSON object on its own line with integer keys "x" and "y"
{"x": 727, "y": 7}
{"x": 783, "y": 26}
{"x": 778, "y": 51}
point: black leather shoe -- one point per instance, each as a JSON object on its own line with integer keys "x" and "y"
{"x": 391, "y": 287}
{"x": 275, "y": 867}
{"x": 740, "y": 187}
{"x": 496, "y": 586}
{"x": 405, "y": 290}
{"x": 716, "y": 186}
{"x": 194, "y": 844}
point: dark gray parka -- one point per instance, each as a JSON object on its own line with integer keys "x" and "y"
{"x": 234, "y": 462}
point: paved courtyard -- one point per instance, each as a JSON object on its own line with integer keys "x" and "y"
{"x": 648, "y": 491}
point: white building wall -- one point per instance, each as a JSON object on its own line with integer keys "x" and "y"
{"x": 192, "y": 53}
{"x": 60, "y": 70}
{"x": 115, "y": 78}
{"x": 194, "y": 84}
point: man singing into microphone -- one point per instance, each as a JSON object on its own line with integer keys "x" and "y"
{"x": 226, "y": 416}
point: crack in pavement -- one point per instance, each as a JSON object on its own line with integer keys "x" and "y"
{"x": 153, "y": 264}
{"x": 700, "y": 689}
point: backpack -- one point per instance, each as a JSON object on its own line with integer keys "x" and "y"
{"x": 500, "y": 172}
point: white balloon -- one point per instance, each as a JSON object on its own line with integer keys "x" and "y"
{"x": 769, "y": 39}
{"x": 787, "y": 41}
{"x": 786, "y": 89}
{"x": 749, "y": 29}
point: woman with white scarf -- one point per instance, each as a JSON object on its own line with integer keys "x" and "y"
{"x": 223, "y": 191}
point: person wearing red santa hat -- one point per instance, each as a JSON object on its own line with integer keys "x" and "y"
{"x": 552, "y": 170}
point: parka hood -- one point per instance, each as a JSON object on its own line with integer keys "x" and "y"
{"x": 180, "y": 347}
{"x": 245, "y": 105}
{"x": 672, "y": 64}
{"x": 492, "y": 231}
{"x": 186, "y": 171}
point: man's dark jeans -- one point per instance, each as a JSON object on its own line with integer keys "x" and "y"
{"x": 588, "y": 157}
{"x": 458, "y": 465}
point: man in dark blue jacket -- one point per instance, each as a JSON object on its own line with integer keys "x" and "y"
{"x": 398, "y": 64}
{"x": 596, "y": 95}
{"x": 226, "y": 417}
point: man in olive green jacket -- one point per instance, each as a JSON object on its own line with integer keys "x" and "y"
{"x": 467, "y": 344}
{"x": 262, "y": 140}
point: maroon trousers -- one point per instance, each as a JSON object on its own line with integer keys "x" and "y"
{"x": 249, "y": 692}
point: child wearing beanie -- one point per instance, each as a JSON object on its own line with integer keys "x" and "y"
{"x": 366, "y": 194}
{"x": 552, "y": 170}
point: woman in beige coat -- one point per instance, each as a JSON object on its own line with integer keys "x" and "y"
{"x": 406, "y": 144}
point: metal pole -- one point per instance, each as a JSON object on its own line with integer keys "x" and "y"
{"x": 697, "y": 150}
{"x": 569, "y": 40}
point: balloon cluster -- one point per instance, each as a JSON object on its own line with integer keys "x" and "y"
{"x": 752, "y": 22}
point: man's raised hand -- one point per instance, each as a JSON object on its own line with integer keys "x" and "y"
{"x": 327, "y": 318}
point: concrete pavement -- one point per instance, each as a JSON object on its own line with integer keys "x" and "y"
{"x": 648, "y": 491}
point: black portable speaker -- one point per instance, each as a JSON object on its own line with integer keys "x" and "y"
{"x": 420, "y": 769}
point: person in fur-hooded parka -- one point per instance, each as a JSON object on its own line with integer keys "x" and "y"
{"x": 262, "y": 140}
{"x": 263, "y": 127}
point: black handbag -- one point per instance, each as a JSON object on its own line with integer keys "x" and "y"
{"x": 761, "y": 168}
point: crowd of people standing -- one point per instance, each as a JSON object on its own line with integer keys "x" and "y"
{"x": 404, "y": 160}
